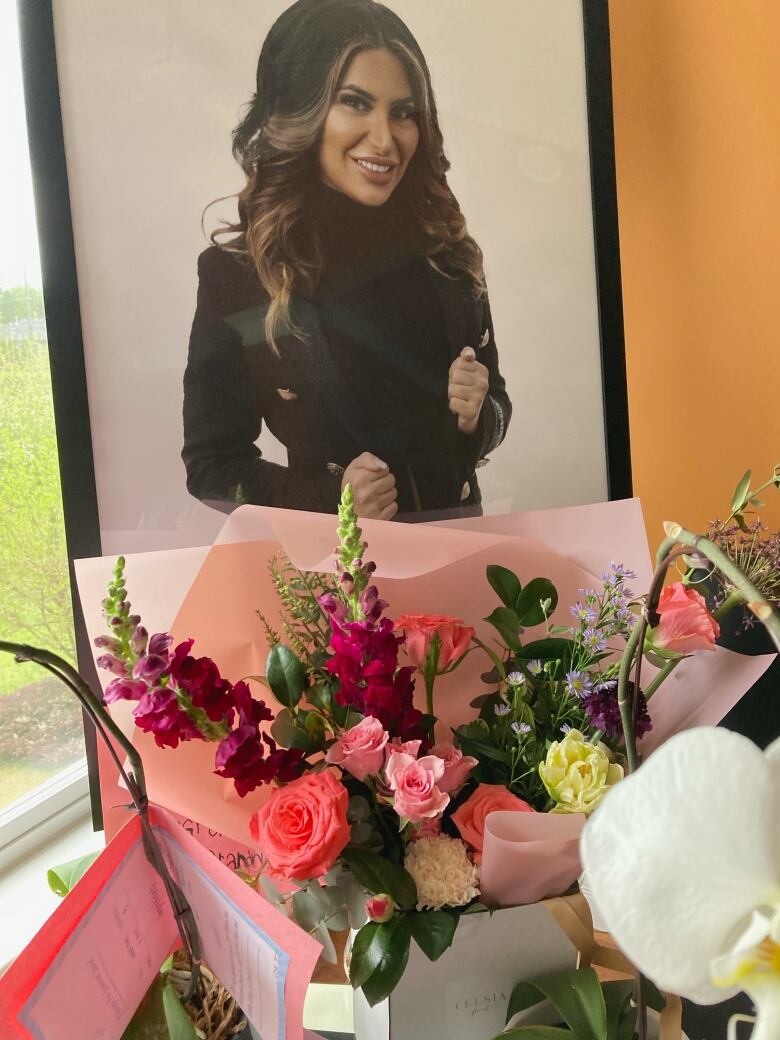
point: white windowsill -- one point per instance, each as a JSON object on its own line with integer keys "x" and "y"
{"x": 26, "y": 900}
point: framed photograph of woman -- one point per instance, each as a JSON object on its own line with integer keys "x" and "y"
{"x": 333, "y": 241}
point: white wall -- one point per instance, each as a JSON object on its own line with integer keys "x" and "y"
{"x": 150, "y": 92}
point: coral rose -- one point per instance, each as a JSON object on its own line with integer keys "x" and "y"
{"x": 302, "y": 828}
{"x": 470, "y": 817}
{"x": 685, "y": 623}
{"x": 454, "y": 637}
{"x": 414, "y": 783}
{"x": 457, "y": 766}
{"x": 360, "y": 750}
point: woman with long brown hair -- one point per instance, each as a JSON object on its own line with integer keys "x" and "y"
{"x": 347, "y": 310}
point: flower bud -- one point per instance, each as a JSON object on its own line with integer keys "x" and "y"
{"x": 139, "y": 639}
{"x": 111, "y": 664}
{"x": 107, "y": 643}
{"x": 379, "y": 908}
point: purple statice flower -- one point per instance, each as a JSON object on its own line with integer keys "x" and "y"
{"x": 124, "y": 689}
{"x": 601, "y": 707}
{"x": 158, "y": 712}
{"x": 501, "y": 709}
{"x": 112, "y": 664}
{"x": 584, "y": 612}
{"x": 593, "y": 639}
{"x": 535, "y": 667}
{"x": 520, "y": 728}
{"x": 578, "y": 683}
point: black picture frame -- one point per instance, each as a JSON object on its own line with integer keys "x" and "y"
{"x": 61, "y": 297}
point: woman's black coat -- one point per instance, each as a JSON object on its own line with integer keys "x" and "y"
{"x": 235, "y": 382}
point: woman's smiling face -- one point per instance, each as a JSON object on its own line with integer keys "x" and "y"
{"x": 370, "y": 132}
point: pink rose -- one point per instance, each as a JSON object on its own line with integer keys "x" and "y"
{"x": 360, "y": 750}
{"x": 414, "y": 782}
{"x": 470, "y": 817}
{"x": 454, "y": 637}
{"x": 457, "y": 766}
{"x": 379, "y": 908}
{"x": 408, "y": 747}
{"x": 302, "y": 828}
{"x": 685, "y": 623}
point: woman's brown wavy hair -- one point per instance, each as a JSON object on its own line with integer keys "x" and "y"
{"x": 301, "y": 67}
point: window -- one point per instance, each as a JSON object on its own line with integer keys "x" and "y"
{"x": 42, "y": 767}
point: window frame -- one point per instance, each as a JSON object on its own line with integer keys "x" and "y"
{"x": 59, "y": 802}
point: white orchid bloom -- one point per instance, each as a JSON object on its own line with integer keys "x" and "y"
{"x": 683, "y": 858}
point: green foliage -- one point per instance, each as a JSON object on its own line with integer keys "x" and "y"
{"x": 379, "y": 956}
{"x": 285, "y": 676}
{"x": 433, "y": 931}
{"x": 590, "y": 1010}
{"x": 380, "y": 877}
{"x": 20, "y": 303}
{"x": 35, "y": 601}
{"x": 62, "y": 879}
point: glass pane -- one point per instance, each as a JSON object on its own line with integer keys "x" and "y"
{"x": 40, "y": 722}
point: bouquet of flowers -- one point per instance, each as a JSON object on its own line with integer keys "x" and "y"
{"x": 374, "y": 818}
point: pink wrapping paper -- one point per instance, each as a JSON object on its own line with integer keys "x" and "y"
{"x": 527, "y": 857}
{"x": 213, "y": 595}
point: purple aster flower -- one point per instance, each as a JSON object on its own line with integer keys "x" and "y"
{"x": 578, "y": 684}
{"x": 520, "y": 728}
{"x": 515, "y": 678}
{"x": 566, "y": 728}
{"x": 621, "y": 572}
{"x": 584, "y": 612}
{"x": 501, "y": 709}
{"x": 535, "y": 666}
{"x": 589, "y": 595}
{"x": 594, "y": 640}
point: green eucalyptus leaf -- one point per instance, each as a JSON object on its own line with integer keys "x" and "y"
{"x": 433, "y": 931}
{"x": 285, "y": 675}
{"x": 378, "y": 876}
{"x": 739, "y": 500}
{"x": 62, "y": 879}
{"x": 507, "y": 624}
{"x": 529, "y": 604}
{"x": 505, "y": 584}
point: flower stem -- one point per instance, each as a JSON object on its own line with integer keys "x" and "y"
{"x": 734, "y": 599}
{"x": 666, "y": 671}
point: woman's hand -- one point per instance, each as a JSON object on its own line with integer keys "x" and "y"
{"x": 373, "y": 487}
{"x": 467, "y": 389}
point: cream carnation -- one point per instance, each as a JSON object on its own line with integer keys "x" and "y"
{"x": 443, "y": 872}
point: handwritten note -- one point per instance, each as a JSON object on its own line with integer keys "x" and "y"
{"x": 87, "y": 970}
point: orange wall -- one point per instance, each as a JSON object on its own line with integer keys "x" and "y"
{"x": 697, "y": 125}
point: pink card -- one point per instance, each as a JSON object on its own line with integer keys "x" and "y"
{"x": 88, "y": 968}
